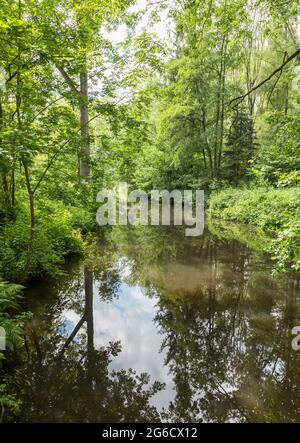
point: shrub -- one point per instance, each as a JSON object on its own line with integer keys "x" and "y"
{"x": 274, "y": 210}
{"x": 10, "y": 295}
{"x": 55, "y": 237}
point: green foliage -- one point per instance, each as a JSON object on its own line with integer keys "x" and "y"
{"x": 239, "y": 148}
{"x": 196, "y": 113}
{"x": 8, "y": 401}
{"x": 252, "y": 236}
{"x": 274, "y": 210}
{"x": 286, "y": 247}
{"x": 55, "y": 237}
{"x": 279, "y": 159}
{"x": 10, "y": 296}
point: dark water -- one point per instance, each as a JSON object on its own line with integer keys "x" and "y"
{"x": 155, "y": 326}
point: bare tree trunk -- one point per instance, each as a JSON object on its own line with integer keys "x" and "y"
{"x": 88, "y": 289}
{"x": 6, "y": 196}
{"x": 286, "y": 101}
{"x": 216, "y": 141}
{"x": 210, "y": 160}
{"x": 82, "y": 94}
{"x": 218, "y": 122}
{"x": 90, "y": 362}
{"x": 222, "y": 106}
{"x": 12, "y": 189}
{"x": 250, "y": 79}
{"x": 204, "y": 158}
{"x": 85, "y": 136}
{"x": 8, "y": 179}
{"x": 4, "y": 172}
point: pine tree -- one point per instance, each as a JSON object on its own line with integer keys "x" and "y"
{"x": 240, "y": 148}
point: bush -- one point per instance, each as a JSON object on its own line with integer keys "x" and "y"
{"x": 274, "y": 210}
{"x": 286, "y": 246}
{"x": 55, "y": 237}
{"x": 279, "y": 155}
{"x": 10, "y": 295}
{"x": 82, "y": 219}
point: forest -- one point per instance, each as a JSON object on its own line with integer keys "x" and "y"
{"x": 160, "y": 94}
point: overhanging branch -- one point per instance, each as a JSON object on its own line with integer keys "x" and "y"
{"x": 279, "y": 69}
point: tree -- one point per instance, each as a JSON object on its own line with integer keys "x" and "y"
{"x": 240, "y": 148}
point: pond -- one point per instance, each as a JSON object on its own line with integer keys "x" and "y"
{"x": 156, "y": 326}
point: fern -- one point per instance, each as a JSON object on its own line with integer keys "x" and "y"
{"x": 10, "y": 295}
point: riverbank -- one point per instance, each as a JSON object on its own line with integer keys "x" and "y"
{"x": 274, "y": 212}
{"x": 57, "y": 234}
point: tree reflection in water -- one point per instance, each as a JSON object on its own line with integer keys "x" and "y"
{"x": 67, "y": 379}
{"x": 224, "y": 324}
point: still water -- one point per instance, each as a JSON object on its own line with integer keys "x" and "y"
{"x": 156, "y": 326}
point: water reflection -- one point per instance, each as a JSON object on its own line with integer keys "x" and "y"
{"x": 157, "y": 326}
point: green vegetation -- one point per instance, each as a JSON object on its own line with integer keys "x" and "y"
{"x": 10, "y": 295}
{"x": 275, "y": 211}
{"x": 55, "y": 237}
{"x": 214, "y": 105}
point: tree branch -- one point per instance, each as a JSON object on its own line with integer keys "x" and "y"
{"x": 279, "y": 69}
{"x": 45, "y": 108}
{"x": 65, "y": 143}
{"x": 72, "y": 336}
{"x": 68, "y": 79}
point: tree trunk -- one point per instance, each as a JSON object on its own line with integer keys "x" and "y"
{"x": 24, "y": 163}
{"x": 222, "y": 106}
{"x": 210, "y": 160}
{"x": 90, "y": 368}
{"x": 4, "y": 173}
{"x": 286, "y": 100}
{"x": 12, "y": 189}
{"x": 84, "y": 122}
{"x": 88, "y": 289}
{"x": 218, "y": 121}
{"x": 32, "y": 220}
{"x": 6, "y": 196}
